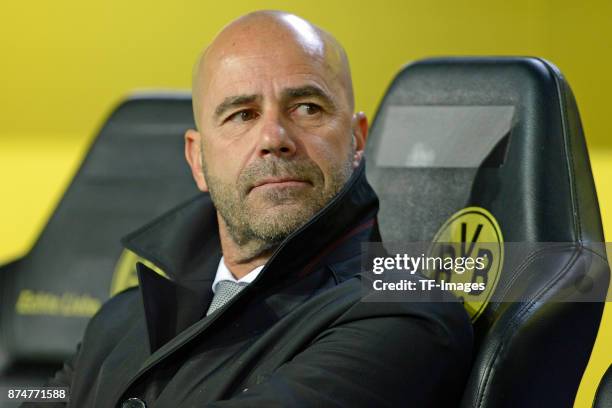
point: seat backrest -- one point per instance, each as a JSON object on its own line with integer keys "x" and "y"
{"x": 134, "y": 171}
{"x": 493, "y": 147}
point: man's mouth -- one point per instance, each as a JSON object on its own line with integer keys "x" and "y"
{"x": 280, "y": 182}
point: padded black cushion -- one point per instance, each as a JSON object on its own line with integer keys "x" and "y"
{"x": 522, "y": 156}
{"x": 134, "y": 171}
{"x": 603, "y": 396}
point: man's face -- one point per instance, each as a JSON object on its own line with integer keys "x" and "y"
{"x": 276, "y": 136}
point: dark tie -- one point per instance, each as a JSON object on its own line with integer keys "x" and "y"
{"x": 225, "y": 291}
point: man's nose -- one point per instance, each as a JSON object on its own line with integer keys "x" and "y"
{"x": 275, "y": 139}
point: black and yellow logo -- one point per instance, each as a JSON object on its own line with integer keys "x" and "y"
{"x": 471, "y": 233}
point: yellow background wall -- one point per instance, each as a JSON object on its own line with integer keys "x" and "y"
{"x": 65, "y": 63}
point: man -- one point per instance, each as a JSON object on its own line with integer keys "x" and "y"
{"x": 263, "y": 306}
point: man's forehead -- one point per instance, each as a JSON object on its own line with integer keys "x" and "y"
{"x": 283, "y": 68}
{"x": 284, "y": 59}
{"x": 248, "y": 50}
{"x": 260, "y": 69}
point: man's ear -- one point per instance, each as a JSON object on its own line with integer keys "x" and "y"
{"x": 193, "y": 154}
{"x": 359, "y": 125}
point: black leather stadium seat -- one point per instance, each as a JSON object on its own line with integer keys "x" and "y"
{"x": 134, "y": 171}
{"x": 475, "y": 147}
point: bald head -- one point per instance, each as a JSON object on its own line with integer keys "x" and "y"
{"x": 272, "y": 33}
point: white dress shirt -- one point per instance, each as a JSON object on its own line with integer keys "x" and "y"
{"x": 224, "y": 274}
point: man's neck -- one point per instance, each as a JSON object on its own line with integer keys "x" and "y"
{"x": 241, "y": 259}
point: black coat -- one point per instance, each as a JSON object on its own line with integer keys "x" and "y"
{"x": 298, "y": 336}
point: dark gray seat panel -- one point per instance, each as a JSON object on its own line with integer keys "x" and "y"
{"x": 133, "y": 172}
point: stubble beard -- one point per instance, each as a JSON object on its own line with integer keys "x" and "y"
{"x": 259, "y": 221}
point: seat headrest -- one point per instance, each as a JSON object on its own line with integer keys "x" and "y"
{"x": 503, "y": 134}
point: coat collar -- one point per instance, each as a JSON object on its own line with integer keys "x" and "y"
{"x": 184, "y": 243}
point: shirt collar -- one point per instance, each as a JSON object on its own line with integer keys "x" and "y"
{"x": 224, "y": 274}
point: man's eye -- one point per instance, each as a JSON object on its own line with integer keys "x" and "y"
{"x": 243, "y": 116}
{"x": 307, "y": 109}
